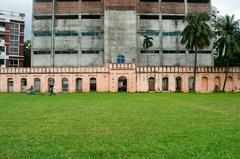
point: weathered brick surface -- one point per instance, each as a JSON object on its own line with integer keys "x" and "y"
{"x": 21, "y": 28}
{"x": 42, "y": 8}
{"x": 21, "y": 50}
{"x": 120, "y": 5}
{"x": 92, "y": 7}
{"x": 172, "y": 8}
{"x": 198, "y": 8}
{"x": 67, "y": 8}
{"x": 145, "y": 7}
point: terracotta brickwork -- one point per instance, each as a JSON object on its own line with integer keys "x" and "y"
{"x": 107, "y": 78}
{"x": 172, "y": 8}
{"x": 145, "y": 7}
{"x": 198, "y": 8}
{"x": 67, "y": 7}
{"x": 120, "y": 5}
{"x": 42, "y": 8}
{"x": 72, "y": 7}
{"x": 90, "y": 7}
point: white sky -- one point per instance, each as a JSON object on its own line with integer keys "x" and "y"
{"x": 25, "y": 6}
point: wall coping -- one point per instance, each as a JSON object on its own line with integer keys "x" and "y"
{"x": 112, "y": 66}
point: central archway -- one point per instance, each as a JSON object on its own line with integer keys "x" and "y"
{"x": 122, "y": 84}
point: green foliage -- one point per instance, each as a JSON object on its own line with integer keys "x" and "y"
{"x": 228, "y": 41}
{"x": 197, "y": 34}
{"x": 109, "y": 126}
{"x": 147, "y": 43}
{"x": 27, "y": 53}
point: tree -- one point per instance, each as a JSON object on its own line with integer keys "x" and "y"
{"x": 147, "y": 43}
{"x": 227, "y": 43}
{"x": 196, "y": 36}
{"x": 27, "y": 53}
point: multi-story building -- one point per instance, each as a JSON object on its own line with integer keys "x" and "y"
{"x": 11, "y": 39}
{"x": 95, "y": 32}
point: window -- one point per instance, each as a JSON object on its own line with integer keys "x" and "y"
{"x": 13, "y": 63}
{"x": 23, "y": 85}
{"x": 51, "y": 82}
{"x": 90, "y": 52}
{"x": 14, "y": 38}
{"x": 149, "y": 33}
{"x": 66, "y": 16}
{"x": 178, "y": 84}
{"x": 93, "y": 85}
{"x": 79, "y": 85}
{"x": 149, "y": 17}
{"x": 45, "y": 33}
{"x": 65, "y": 85}
{"x": 41, "y": 52}
{"x": 165, "y": 84}
{"x": 91, "y": 17}
{"x": 151, "y": 84}
{"x": 120, "y": 59}
{"x": 2, "y": 49}
{"x": 190, "y": 83}
{"x": 149, "y": 51}
{"x": 90, "y": 33}
{"x": 66, "y": 33}
{"x": 10, "y": 85}
{"x": 66, "y": 52}
{"x": 174, "y": 51}
{"x": 122, "y": 84}
{"x": 13, "y": 50}
{"x": 172, "y": 34}
{"x": 201, "y": 52}
{"x": 1, "y": 62}
{"x": 37, "y": 85}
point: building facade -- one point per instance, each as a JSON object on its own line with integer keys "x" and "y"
{"x": 11, "y": 39}
{"x": 118, "y": 78}
{"x": 95, "y": 32}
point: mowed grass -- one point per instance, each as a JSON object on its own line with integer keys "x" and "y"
{"x": 171, "y": 126}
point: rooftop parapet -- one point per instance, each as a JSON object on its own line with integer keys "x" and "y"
{"x": 6, "y": 16}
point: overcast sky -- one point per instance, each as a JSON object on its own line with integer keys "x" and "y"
{"x": 25, "y": 6}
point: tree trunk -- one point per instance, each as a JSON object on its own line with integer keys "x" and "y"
{"x": 226, "y": 76}
{"x": 195, "y": 72}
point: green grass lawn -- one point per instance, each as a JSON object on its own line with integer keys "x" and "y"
{"x": 171, "y": 126}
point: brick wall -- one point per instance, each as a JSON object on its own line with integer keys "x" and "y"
{"x": 172, "y": 8}
{"x": 120, "y": 5}
{"x": 145, "y": 7}
{"x": 107, "y": 77}
{"x": 198, "y": 8}
{"x": 42, "y": 8}
{"x": 93, "y": 7}
{"x": 67, "y": 7}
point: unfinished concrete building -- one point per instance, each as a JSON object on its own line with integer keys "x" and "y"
{"x": 96, "y": 32}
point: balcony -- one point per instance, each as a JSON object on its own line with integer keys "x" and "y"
{"x": 2, "y": 42}
{"x": 2, "y": 29}
{"x": 3, "y": 56}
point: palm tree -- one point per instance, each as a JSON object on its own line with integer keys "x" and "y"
{"x": 147, "y": 43}
{"x": 196, "y": 36}
{"x": 228, "y": 41}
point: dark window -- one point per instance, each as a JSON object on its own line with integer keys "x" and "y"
{"x": 91, "y": 17}
{"x": 65, "y": 85}
{"x": 150, "y": 17}
{"x": 149, "y": 51}
{"x": 165, "y": 84}
{"x": 90, "y": 52}
{"x": 120, "y": 59}
{"x": 93, "y": 85}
